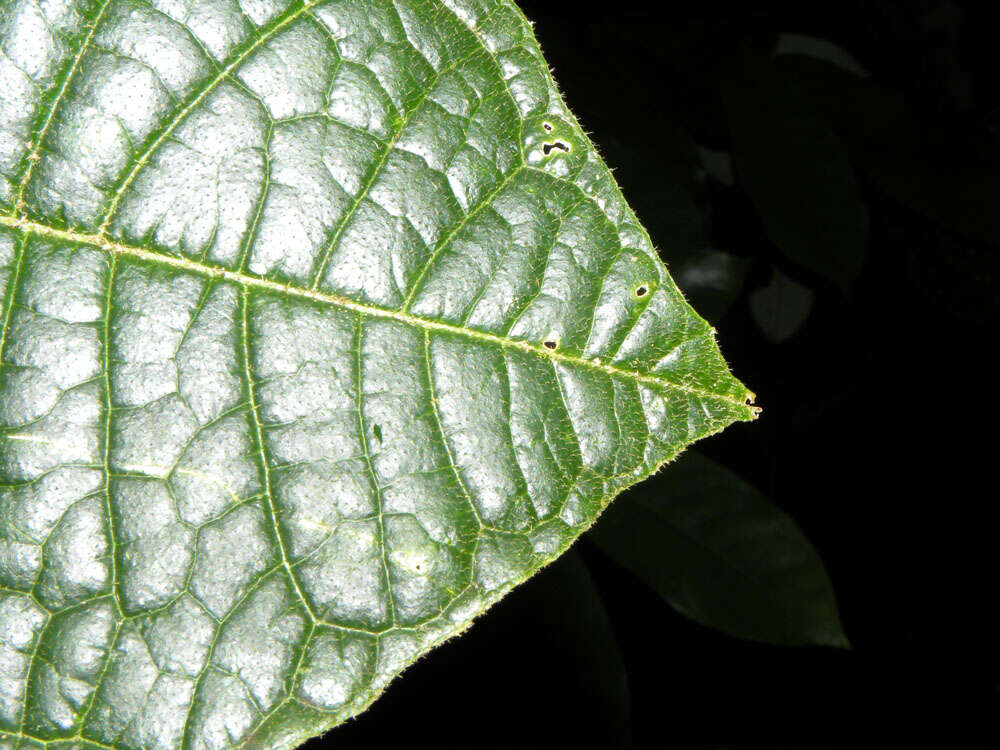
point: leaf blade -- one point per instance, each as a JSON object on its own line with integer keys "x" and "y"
{"x": 720, "y": 553}
{"x": 278, "y": 333}
{"x": 796, "y": 172}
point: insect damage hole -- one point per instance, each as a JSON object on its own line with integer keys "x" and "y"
{"x": 641, "y": 291}
{"x": 548, "y": 148}
{"x": 548, "y": 127}
{"x": 551, "y": 343}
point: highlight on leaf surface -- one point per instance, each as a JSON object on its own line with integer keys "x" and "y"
{"x": 278, "y": 409}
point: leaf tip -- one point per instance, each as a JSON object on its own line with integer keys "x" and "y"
{"x": 839, "y": 640}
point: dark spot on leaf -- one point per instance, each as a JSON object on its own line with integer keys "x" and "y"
{"x": 548, "y": 147}
{"x": 550, "y": 343}
{"x": 641, "y": 291}
{"x": 377, "y": 429}
{"x": 547, "y": 126}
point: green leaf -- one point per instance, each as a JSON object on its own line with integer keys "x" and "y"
{"x": 781, "y": 307}
{"x": 722, "y": 554}
{"x": 323, "y": 327}
{"x": 796, "y": 172}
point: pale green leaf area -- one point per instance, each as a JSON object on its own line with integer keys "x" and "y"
{"x": 324, "y": 326}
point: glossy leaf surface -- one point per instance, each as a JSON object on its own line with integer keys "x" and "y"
{"x": 323, "y": 327}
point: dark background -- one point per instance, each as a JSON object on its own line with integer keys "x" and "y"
{"x": 877, "y": 435}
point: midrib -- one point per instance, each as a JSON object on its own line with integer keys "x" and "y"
{"x": 289, "y": 290}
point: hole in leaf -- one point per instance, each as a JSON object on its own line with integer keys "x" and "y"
{"x": 641, "y": 291}
{"x": 547, "y": 148}
{"x": 548, "y": 127}
{"x": 550, "y": 344}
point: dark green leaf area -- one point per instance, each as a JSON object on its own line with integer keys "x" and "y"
{"x": 721, "y": 553}
{"x": 795, "y": 170}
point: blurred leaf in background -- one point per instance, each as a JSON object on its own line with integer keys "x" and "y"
{"x": 781, "y": 307}
{"x": 795, "y": 170}
{"x": 724, "y": 555}
{"x": 567, "y": 612}
{"x": 947, "y": 176}
{"x": 946, "y": 172}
